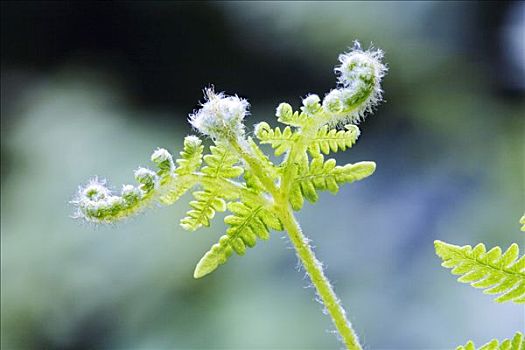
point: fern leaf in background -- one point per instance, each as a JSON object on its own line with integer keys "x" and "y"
{"x": 516, "y": 343}
{"x": 491, "y": 270}
{"x": 494, "y": 271}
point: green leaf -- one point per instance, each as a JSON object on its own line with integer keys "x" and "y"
{"x": 191, "y": 156}
{"x": 333, "y": 140}
{"x": 297, "y": 119}
{"x": 492, "y": 271}
{"x": 204, "y": 206}
{"x": 246, "y": 224}
{"x": 189, "y": 162}
{"x": 321, "y": 175}
{"x": 221, "y": 163}
{"x": 516, "y": 343}
{"x": 280, "y": 140}
{"x": 220, "y": 166}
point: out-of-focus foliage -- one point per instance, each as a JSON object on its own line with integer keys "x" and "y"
{"x": 90, "y": 86}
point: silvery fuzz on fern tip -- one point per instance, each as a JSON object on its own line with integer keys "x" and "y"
{"x": 220, "y": 116}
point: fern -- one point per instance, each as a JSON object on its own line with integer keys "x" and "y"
{"x": 204, "y": 206}
{"x": 332, "y": 140}
{"x": 516, "y": 343}
{"x": 191, "y": 156}
{"x": 493, "y": 271}
{"x": 220, "y": 164}
{"x": 325, "y": 141}
{"x": 237, "y": 176}
{"x": 285, "y": 115}
{"x": 245, "y": 226}
{"x": 321, "y": 175}
{"x": 281, "y": 141}
{"x": 190, "y": 161}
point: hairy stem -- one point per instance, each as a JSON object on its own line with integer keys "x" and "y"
{"x": 315, "y": 271}
{"x": 304, "y": 251}
{"x": 255, "y": 165}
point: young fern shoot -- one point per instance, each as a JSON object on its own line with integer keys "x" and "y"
{"x": 238, "y": 177}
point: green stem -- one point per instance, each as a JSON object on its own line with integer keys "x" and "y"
{"x": 304, "y": 252}
{"x": 255, "y": 165}
{"x": 315, "y": 271}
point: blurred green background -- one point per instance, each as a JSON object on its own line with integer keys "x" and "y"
{"x": 92, "y": 88}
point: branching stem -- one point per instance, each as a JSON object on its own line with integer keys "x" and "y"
{"x": 305, "y": 253}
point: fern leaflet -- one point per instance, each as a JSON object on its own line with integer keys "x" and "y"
{"x": 220, "y": 165}
{"x": 183, "y": 179}
{"x": 333, "y": 140}
{"x": 191, "y": 156}
{"x": 297, "y": 119}
{"x": 516, "y": 343}
{"x": 246, "y": 225}
{"x": 321, "y": 175}
{"x": 493, "y": 271}
{"x": 281, "y": 141}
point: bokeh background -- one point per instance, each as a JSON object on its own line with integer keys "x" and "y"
{"x": 92, "y": 88}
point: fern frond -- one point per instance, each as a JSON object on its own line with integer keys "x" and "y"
{"x": 297, "y": 119}
{"x": 321, "y": 175}
{"x": 281, "y": 141}
{"x": 263, "y": 199}
{"x": 204, "y": 206}
{"x": 247, "y": 223}
{"x": 220, "y": 165}
{"x": 516, "y": 343}
{"x": 333, "y": 140}
{"x": 190, "y": 160}
{"x": 492, "y": 271}
{"x": 191, "y": 156}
